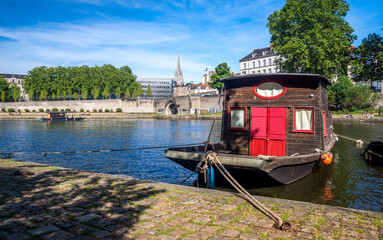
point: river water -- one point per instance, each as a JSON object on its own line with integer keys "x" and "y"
{"x": 349, "y": 181}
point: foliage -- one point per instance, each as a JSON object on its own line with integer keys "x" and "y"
{"x": 368, "y": 59}
{"x": 345, "y": 95}
{"x": 54, "y": 109}
{"x": 140, "y": 92}
{"x": 15, "y": 92}
{"x": 11, "y": 110}
{"x": 3, "y": 96}
{"x": 117, "y": 93}
{"x": 3, "y": 110}
{"x": 41, "y": 110}
{"x": 106, "y": 92}
{"x": 100, "y": 110}
{"x": 221, "y": 71}
{"x": 94, "y": 110}
{"x": 68, "y": 109}
{"x": 4, "y": 89}
{"x": 84, "y": 92}
{"x": 33, "y": 110}
{"x": 26, "y": 110}
{"x": 84, "y": 79}
{"x": 379, "y": 110}
{"x": 118, "y": 110}
{"x": 106, "y": 110}
{"x": 149, "y": 91}
{"x": 81, "y": 110}
{"x": 46, "y": 110}
{"x": 312, "y": 36}
{"x": 127, "y": 93}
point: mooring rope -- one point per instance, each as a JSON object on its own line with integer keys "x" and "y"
{"x": 97, "y": 151}
{"x": 348, "y": 138}
{"x": 211, "y": 158}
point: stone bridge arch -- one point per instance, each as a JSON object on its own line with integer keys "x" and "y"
{"x": 170, "y": 107}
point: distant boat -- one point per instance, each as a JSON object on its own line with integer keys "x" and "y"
{"x": 374, "y": 151}
{"x": 277, "y": 124}
{"x": 61, "y": 116}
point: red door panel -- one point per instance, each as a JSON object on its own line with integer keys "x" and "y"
{"x": 268, "y": 131}
{"x": 258, "y": 131}
{"x": 259, "y": 123}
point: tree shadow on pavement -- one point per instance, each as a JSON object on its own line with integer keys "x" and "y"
{"x": 62, "y": 203}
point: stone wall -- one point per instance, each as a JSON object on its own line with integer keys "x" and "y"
{"x": 185, "y": 105}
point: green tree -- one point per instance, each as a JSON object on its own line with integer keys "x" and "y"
{"x": 221, "y": 71}
{"x": 140, "y": 92}
{"x": 341, "y": 92}
{"x": 149, "y": 91}
{"x": 70, "y": 93}
{"x": 4, "y": 88}
{"x": 106, "y": 92}
{"x": 43, "y": 95}
{"x": 117, "y": 93}
{"x": 135, "y": 94}
{"x": 64, "y": 95}
{"x": 84, "y": 93}
{"x": 312, "y": 36}
{"x": 58, "y": 94}
{"x": 53, "y": 96}
{"x": 95, "y": 92}
{"x": 127, "y": 93}
{"x": 368, "y": 59}
{"x": 3, "y": 96}
{"x": 75, "y": 96}
{"x": 15, "y": 92}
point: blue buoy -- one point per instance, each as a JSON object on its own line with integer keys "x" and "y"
{"x": 210, "y": 178}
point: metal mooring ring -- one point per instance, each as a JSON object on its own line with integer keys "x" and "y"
{"x": 285, "y": 226}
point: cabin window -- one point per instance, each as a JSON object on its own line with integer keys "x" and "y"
{"x": 269, "y": 89}
{"x": 237, "y": 119}
{"x": 324, "y": 124}
{"x": 304, "y": 120}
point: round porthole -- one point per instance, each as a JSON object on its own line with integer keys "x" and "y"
{"x": 269, "y": 89}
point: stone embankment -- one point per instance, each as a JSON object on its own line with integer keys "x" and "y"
{"x": 59, "y": 203}
{"x": 37, "y": 116}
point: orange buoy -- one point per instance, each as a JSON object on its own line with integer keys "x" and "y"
{"x": 326, "y": 158}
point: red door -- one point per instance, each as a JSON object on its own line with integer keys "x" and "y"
{"x": 268, "y": 131}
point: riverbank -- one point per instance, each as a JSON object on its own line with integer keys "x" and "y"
{"x": 37, "y": 116}
{"x": 59, "y": 203}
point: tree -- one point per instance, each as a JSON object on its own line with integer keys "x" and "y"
{"x": 43, "y": 95}
{"x": 95, "y": 92}
{"x": 3, "y": 96}
{"x": 368, "y": 59}
{"x": 15, "y": 92}
{"x": 84, "y": 93}
{"x": 53, "y": 96}
{"x": 106, "y": 92}
{"x": 312, "y": 36}
{"x": 140, "y": 92}
{"x": 135, "y": 94}
{"x": 221, "y": 71}
{"x": 149, "y": 91}
{"x": 117, "y": 93}
{"x": 75, "y": 95}
{"x": 127, "y": 93}
{"x": 4, "y": 88}
{"x": 58, "y": 94}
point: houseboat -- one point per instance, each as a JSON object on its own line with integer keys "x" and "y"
{"x": 61, "y": 116}
{"x": 274, "y": 124}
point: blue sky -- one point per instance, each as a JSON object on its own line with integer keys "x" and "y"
{"x": 146, "y": 35}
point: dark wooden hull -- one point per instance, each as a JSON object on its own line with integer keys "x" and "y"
{"x": 282, "y": 169}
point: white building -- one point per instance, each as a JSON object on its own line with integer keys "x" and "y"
{"x": 18, "y": 80}
{"x": 161, "y": 87}
{"x": 261, "y": 60}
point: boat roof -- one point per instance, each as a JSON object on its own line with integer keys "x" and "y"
{"x": 61, "y": 112}
{"x": 263, "y": 75}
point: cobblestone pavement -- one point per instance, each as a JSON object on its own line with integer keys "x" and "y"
{"x": 58, "y": 203}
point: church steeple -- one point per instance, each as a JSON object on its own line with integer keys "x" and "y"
{"x": 178, "y": 76}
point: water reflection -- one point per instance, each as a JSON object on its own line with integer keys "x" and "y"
{"x": 348, "y": 181}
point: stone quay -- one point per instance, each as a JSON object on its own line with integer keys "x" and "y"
{"x": 44, "y": 202}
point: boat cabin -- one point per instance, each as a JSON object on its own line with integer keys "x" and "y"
{"x": 58, "y": 115}
{"x": 276, "y": 114}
